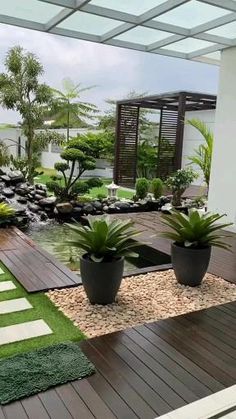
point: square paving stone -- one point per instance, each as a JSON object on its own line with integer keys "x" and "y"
{"x": 7, "y": 286}
{"x": 23, "y": 331}
{"x": 16, "y": 304}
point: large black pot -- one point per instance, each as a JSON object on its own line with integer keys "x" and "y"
{"x": 190, "y": 265}
{"x": 101, "y": 280}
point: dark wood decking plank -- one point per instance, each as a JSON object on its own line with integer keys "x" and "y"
{"x": 97, "y": 406}
{"x": 73, "y": 402}
{"x": 137, "y": 407}
{"x": 206, "y": 380}
{"x": 14, "y": 411}
{"x": 147, "y": 375}
{"x": 161, "y": 371}
{"x": 54, "y": 405}
{"x": 34, "y": 408}
{"x": 221, "y": 349}
{"x": 206, "y": 360}
{"x": 156, "y": 404}
{"x": 189, "y": 381}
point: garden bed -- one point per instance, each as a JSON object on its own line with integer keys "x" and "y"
{"x": 142, "y": 299}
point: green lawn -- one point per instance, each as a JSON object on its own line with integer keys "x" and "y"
{"x": 63, "y": 329}
{"x": 93, "y": 192}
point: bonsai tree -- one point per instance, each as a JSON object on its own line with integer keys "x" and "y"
{"x": 203, "y": 154}
{"x": 179, "y": 182}
{"x": 105, "y": 243}
{"x": 21, "y": 90}
{"x": 193, "y": 236}
{"x": 76, "y": 156}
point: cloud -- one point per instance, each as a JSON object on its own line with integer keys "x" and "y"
{"x": 114, "y": 71}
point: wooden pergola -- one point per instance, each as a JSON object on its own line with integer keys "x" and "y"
{"x": 173, "y": 107}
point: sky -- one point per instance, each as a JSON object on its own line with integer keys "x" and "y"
{"x": 114, "y": 71}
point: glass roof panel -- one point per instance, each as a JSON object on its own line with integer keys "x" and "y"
{"x": 136, "y": 7}
{"x": 32, "y": 10}
{"x": 228, "y": 30}
{"x": 88, "y": 23}
{"x": 144, "y": 36}
{"x": 188, "y": 45}
{"x": 192, "y": 14}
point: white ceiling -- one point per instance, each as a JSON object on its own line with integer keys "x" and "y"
{"x": 189, "y": 29}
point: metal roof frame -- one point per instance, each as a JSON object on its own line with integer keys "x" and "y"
{"x": 127, "y": 21}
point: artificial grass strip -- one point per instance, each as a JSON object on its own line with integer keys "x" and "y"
{"x": 26, "y": 374}
{"x": 62, "y": 327}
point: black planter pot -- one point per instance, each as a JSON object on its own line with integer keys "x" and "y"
{"x": 101, "y": 280}
{"x": 190, "y": 265}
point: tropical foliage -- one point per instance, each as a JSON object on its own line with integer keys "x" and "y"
{"x": 203, "y": 154}
{"x": 195, "y": 230}
{"x": 6, "y": 213}
{"x": 179, "y": 182}
{"x": 20, "y": 90}
{"x": 4, "y": 154}
{"x": 146, "y": 160}
{"x": 68, "y": 110}
{"x": 104, "y": 239}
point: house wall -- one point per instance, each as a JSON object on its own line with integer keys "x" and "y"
{"x": 192, "y": 137}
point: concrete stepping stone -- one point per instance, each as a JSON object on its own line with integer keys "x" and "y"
{"x": 16, "y": 304}
{"x": 2, "y": 271}
{"x": 23, "y": 331}
{"x": 7, "y": 286}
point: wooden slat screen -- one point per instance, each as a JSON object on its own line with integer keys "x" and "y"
{"x": 167, "y": 143}
{"x": 126, "y": 145}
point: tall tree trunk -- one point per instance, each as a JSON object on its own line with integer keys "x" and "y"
{"x": 68, "y": 122}
{"x": 30, "y": 139}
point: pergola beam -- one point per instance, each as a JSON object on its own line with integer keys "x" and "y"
{"x": 224, "y": 4}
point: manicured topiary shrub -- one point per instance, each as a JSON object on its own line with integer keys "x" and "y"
{"x": 80, "y": 187}
{"x": 157, "y": 188}
{"x": 141, "y": 187}
{"x": 94, "y": 182}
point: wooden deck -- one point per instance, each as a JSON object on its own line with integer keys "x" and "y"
{"x": 32, "y": 266}
{"x": 146, "y": 371}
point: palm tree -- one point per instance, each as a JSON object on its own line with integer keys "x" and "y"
{"x": 67, "y": 109}
{"x": 203, "y": 154}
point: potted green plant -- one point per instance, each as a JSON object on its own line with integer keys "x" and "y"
{"x": 179, "y": 182}
{"x": 105, "y": 242}
{"x": 193, "y": 236}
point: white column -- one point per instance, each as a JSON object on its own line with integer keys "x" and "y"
{"x": 222, "y": 190}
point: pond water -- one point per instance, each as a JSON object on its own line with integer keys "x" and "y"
{"x": 53, "y": 237}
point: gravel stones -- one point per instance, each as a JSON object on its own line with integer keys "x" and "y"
{"x": 141, "y": 299}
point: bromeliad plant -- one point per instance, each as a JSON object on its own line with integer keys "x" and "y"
{"x": 195, "y": 230}
{"x": 193, "y": 237}
{"x": 104, "y": 240}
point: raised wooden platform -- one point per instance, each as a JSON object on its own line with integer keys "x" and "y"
{"x": 33, "y": 267}
{"x": 146, "y": 371}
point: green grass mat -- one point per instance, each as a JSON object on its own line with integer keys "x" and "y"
{"x": 30, "y": 373}
{"x": 63, "y": 328}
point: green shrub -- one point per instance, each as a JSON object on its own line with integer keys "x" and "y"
{"x": 101, "y": 196}
{"x": 94, "y": 182}
{"x": 54, "y": 187}
{"x": 6, "y": 213}
{"x": 157, "y": 187}
{"x": 80, "y": 187}
{"x": 141, "y": 187}
{"x": 83, "y": 199}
